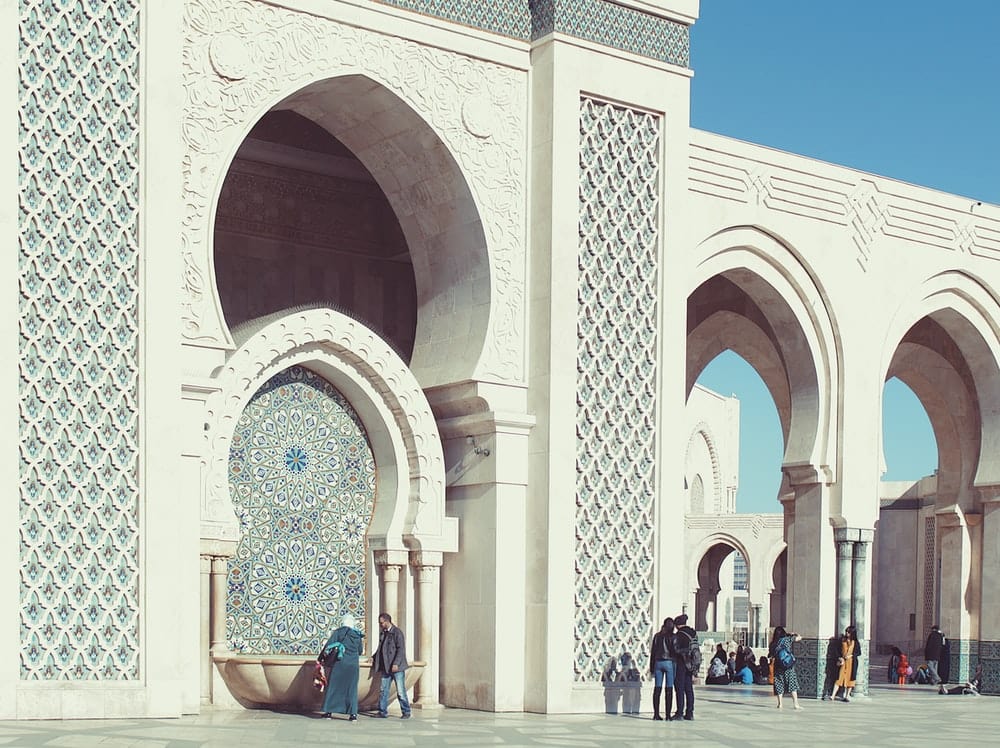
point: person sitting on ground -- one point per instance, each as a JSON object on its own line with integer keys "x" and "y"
{"x": 763, "y": 672}
{"x": 745, "y": 676}
{"x": 731, "y": 666}
{"x": 717, "y": 673}
{"x": 720, "y": 654}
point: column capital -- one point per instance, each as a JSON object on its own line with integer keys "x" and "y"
{"x": 804, "y": 474}
{"x": 425, "y": 559}
{"x": 387, "y": 557}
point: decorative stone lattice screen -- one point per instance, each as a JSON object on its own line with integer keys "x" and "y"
{"x": 616, "y": 383}
{"x": 78, "y": 204}
{"x": 302, "y": 480}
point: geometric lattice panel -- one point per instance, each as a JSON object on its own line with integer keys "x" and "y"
{"x": 616, "y": 383}
{"x": 78, "y": 201}
{"x": 302, "y": 480}
{"x": 930, "y": 608}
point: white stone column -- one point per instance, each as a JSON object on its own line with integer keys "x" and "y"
{"x": 845, "y": 560}
{"x": 427, "y": 574}
{"x": 217, "y": 590}
{"x": 205, "y": 636}
{"x": 860, "y": 572}
{"x": 390, "y": 567}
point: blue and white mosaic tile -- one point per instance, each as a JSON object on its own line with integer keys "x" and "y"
{"x": 599, "y": 21}
{"x": 302, "y": 479}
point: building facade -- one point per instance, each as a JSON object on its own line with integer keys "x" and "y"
{"x": 327, "y": 306}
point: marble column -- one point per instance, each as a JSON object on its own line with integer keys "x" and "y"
{"x": 845, "y": 561}
{"x": 390, "y": 567}
{"x": 860, "y": 572}
{"x": 427, "y": 577}
{"x": 218, "y": 588}
{"x": 205, "y": 635}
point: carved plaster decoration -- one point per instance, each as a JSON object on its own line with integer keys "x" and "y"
{"x": 288, "y": 50}
{"x": 298, "y": 337}
{"x": 866, "y": 217}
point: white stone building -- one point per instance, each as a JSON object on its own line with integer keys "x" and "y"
{"x": 359, "y": 305}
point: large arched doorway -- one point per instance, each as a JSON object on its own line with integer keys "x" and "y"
{"x": 754, "y": 296}
{"x": 302, "y": 479}
{"x": 946, "y": 355}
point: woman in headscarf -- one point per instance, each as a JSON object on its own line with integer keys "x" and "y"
{"x": 340, "y": 656}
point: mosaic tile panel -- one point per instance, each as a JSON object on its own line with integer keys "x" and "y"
{"x": 989, "y": 658}
{"x": 599, "y": 21}
{"x": 302, "y": 480}
{"x": 964, "y": 657}
{"x": 616, "y": 383}
{"x": 508, "y": 17}
{"x": 78, "y": 203}
{"x": 614, "y": 26}
{"x": 810, "y": 665}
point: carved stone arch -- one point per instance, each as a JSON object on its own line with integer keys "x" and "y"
{"x": 409, "y": 507}
{"x": 703, "y": 430}
{"x": 945, "y": 344}
{"x": 798, "y": 355}
{"x": 457, "y": 183}
{"x": 705, "y": 544}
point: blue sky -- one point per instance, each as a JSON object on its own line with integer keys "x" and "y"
{"x": 902, "y": 88}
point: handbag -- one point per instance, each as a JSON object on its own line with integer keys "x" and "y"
{"x": 319, "y": 677}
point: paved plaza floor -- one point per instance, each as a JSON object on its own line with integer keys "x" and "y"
{"x": 724, "y": 716}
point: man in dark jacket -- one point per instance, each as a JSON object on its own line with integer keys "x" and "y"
{"x": 390, "y": 662}
{"x": 932, "y": 652}
{"x": 684, "y": 639}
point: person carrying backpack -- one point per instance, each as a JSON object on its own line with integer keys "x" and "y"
{"x": 687, "y": 659}
{"x": 786, "y": 680}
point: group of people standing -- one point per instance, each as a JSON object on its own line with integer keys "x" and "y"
{"x": 674, "y": 659}
{"x": 673, "y": 664}
{"x": 340, "y": 658}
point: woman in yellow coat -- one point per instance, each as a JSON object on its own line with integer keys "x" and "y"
{"x": 850, "y": 653}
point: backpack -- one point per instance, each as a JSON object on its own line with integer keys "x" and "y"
{"x": 785, "y": 657}
{"x": 687, "y": 649}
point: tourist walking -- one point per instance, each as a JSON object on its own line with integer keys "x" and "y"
{"x": 661, "y": 665}
{"x": 340, "y": 657}
{"x": 390, "y": 663}
{"x": 785, "y": 678}
{"x": 850, "y": 652}
{"x": 687, "y": 658}
{"x": 932, "y": 652}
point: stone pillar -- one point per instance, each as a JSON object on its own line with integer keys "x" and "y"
{"x": 859, "y": 605}
{"x": 427, "y": 573}
{"x": 217, "y": 590}
{"x": 989, "y": 619}
{"x": 812, "y": 571}
{"x": 390, "y": 566}
{"x": 205, "y": 636}
{"x": 960, "y": 542}
{"x": 845, "y": 559}
{"x": 860, "y": 572}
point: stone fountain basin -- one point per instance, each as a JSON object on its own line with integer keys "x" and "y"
{"x": 286, "y": 681}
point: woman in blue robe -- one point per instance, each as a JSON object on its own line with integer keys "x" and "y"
{"x": 342, "y": 671}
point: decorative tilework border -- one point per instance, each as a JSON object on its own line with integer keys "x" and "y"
{"x": 597, "y": 21}
{"x": 614, "y": 26}
{"x": 508, "y": 17}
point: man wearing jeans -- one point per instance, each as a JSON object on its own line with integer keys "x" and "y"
{"x": 390, "y": 661}
{"x": 932, "y": 652}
